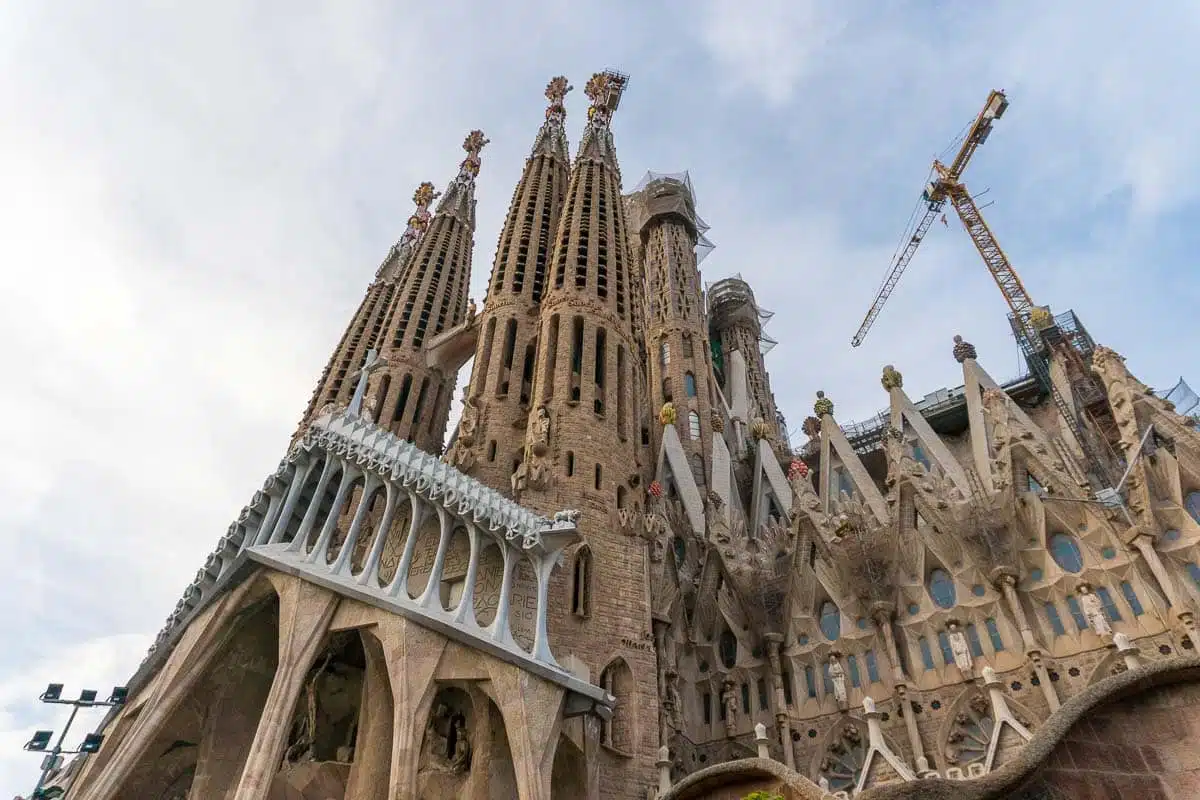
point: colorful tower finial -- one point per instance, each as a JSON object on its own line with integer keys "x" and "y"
{"x": 419, "y": 221}
{"x": 597, "y": 91}
{"x": 473, "y": 144}
{"x": 556, "y": 92}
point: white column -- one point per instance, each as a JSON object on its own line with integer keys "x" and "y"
{"x": 434, "y": 584}
{"x": 360, "y": 516}
{"x": 399, "y": 584}
{"x": 314, "y": 505}
{"x": 370, "y": 570}
{"x": 465, "y": 613}
{"x": 544, "y": 567}
{"x": 499, "y": 627}
{"x": 289, "y": 505}
{"x": 349, "y": 476}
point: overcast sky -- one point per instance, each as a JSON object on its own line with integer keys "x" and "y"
{"x": 194, "y": 196}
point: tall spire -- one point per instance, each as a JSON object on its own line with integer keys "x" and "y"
{"x": 491, "y": 433}
{"x": 459, "y": 199}
{"x": 604, "y": 89}
{"x": 418, "y": 223}
{"x": 410, "y": 397}
{"x": 372, "y": 317}
{"x": 551, "y": 140}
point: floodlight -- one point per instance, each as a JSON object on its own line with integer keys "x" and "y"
{"x": 119, "y": 695}
{"x": 87, "y": 696}
{"x": 52, "y": 693}
{"x": 40, "y": 741}
{"x": 91, "y": 743}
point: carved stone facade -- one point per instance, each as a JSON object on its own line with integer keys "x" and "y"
{"x": 937, "y": 596}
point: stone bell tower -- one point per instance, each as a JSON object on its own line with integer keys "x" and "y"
{"x": 491, "y": 434}
{"x": 409, "y": 393}
{"x": 582, "y": 446}
{"x": 663, "y": 214}
{"x": 363, "y": 334}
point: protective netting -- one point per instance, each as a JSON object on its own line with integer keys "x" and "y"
{"x": 703, "y": 245}
{"x": 1186, "y": 401}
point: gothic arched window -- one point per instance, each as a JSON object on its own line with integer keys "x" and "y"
{"x": 1065, "y": 552}
{"x": 689, "y": 384}
{"x": 693, "y": 424}
{"x": 830, "y": 621}
{"x": 664, "y": 354}
{"x": 728, "y": 647}
{"x": 941, "y": 588}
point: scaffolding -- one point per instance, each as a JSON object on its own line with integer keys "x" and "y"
{"x": 703, "y": 245}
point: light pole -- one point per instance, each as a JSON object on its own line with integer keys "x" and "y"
{"x": 91, "y": 743}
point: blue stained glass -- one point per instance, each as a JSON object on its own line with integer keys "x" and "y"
{"x": 1056, "y": 623}
{"x": 1106, "y": 601}
{"x": 831, "y": 621}
{"x": 872, "y": 667}
{"x": 944, "y": 644}
{"x": 1065, "y": 552}
{"x": 941, "y": 588}
{"x": 855, "y": 678}
{"x": 1192, "y": 503}
{"x": 1194, "y": 573}
{"x": 973, "y": 641}
{"x": 926, "y": 653}
{"x": 994, "y": 634}
{"x": 1135, "y": 605}
{"x": 1077, "y": 612}
{"x": 810, "y": 682}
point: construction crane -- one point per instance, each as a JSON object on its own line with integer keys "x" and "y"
{"x": 1034, "y": 325}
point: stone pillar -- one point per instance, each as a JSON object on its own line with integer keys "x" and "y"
{"x": 1183, "y": 611}
{"x": 304, "y": 614}
{"x": 664, "y": 770}
{"x": 760, "y": 739}
{"x": 1006, "y": 582}
{"x": 910, "y": 725}
{"x": 774, "y": 652}
{"x": 1044, "y": 681}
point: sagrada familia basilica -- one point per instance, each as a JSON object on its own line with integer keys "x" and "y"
{"x": 616, "y": 579}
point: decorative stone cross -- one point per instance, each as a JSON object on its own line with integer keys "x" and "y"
{"x": 371, "y": 363}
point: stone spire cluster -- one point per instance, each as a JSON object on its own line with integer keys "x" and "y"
{"x": 619, "y": 580}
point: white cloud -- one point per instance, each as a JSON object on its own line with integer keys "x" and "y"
{"x": 195, "y": 198}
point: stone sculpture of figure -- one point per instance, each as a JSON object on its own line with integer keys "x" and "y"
{"x": 730, "y": 702}
{"x": 469, "y": 423}
{"x": 960, "y": 649}
{"x": 837, "y": 676}
{"x": 541, "y": 430}
{"x": 1093, "y": 611}
{"x": 460, "y": 757}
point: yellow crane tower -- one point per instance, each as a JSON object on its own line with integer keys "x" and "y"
{"x": 1034, "y": 325}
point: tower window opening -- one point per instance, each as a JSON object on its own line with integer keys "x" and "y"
{"x": 621, "y": 392}
{"x": 581, "y": 590}
{"x": 527, "y": 374}
{"x": 576, "y": 357}
{"x": 402, "y": 400}
{"x": 694, "y": 425}
{"x": 506, "y": 358}
{"x": 437, "y": 399}
{"x": 599, "y": 476}
{"x": 491, "y": 451}
{"x": 664, "y": 354}
{"x": 601, "y": 356}
{"x": 689, "y": 384}
{"x": 666, "y": 390}
{"x": 620, "y": 497}
{"x": 419, "y": 407}
{"x": 385, "y": 383}
{"x": 549, "y": 378}
{"x": 645, "y": 436}
{"x": 687, "y": 346}
{"x": 489, "y": 337}
{"x": 570, "y": 464}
